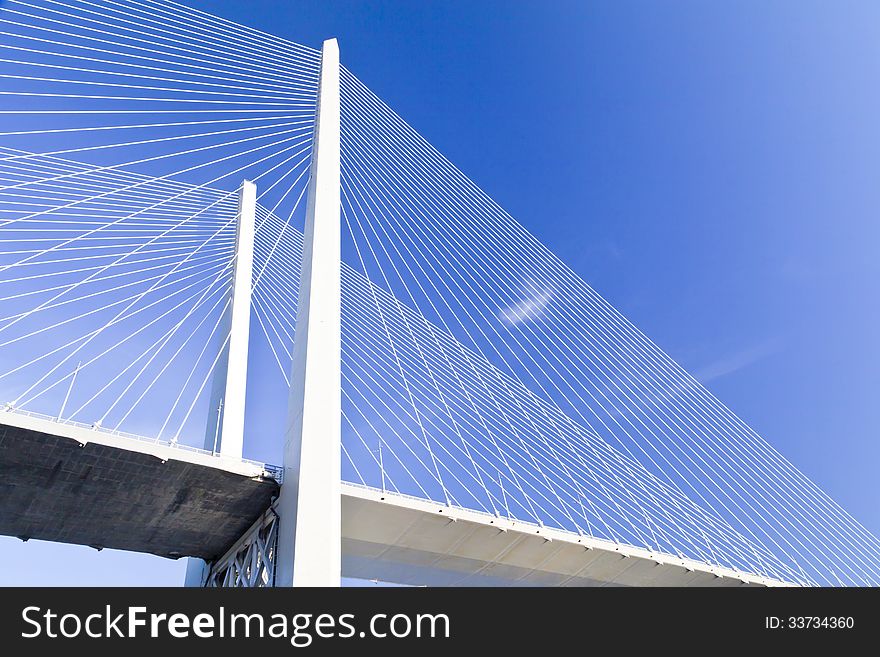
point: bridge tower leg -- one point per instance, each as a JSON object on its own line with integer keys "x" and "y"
{"x": 309, "y": 506}
{"x": 224, "y": 432}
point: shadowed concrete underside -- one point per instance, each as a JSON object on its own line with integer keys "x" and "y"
{"x": 72, "y": 485}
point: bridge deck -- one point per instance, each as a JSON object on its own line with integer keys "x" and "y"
{"x": 67, "y": 483}
{"x": 72, "y": 484}
{"x": 411, "y": 541}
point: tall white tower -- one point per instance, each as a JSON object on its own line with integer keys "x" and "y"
{"x": 224, "y": 433}
{"x": 310, "y": 529}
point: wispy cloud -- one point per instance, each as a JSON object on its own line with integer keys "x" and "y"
{"x": 530, "y": 307}
{"x": 736, "y": 361}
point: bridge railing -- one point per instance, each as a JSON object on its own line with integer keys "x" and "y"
{"x": 274, "y": 471}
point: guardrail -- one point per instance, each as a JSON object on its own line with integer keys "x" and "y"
{"x": 276, "y": 472}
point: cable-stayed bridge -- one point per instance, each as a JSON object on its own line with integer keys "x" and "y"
{"x": 195, "y": 214}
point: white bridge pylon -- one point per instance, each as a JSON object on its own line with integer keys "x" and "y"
{"x": 224, "y": 431}
{"x": 309, "y": 536}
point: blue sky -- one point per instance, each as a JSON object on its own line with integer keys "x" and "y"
{"x": 710, "y": 169}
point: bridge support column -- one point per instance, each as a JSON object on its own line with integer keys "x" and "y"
{"x": 310, "y": 532}
{"x": 224, "y": 433}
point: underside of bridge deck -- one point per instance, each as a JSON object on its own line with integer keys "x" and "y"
{"x": 411, "y": 541}
{"x": 65, "y": 483}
